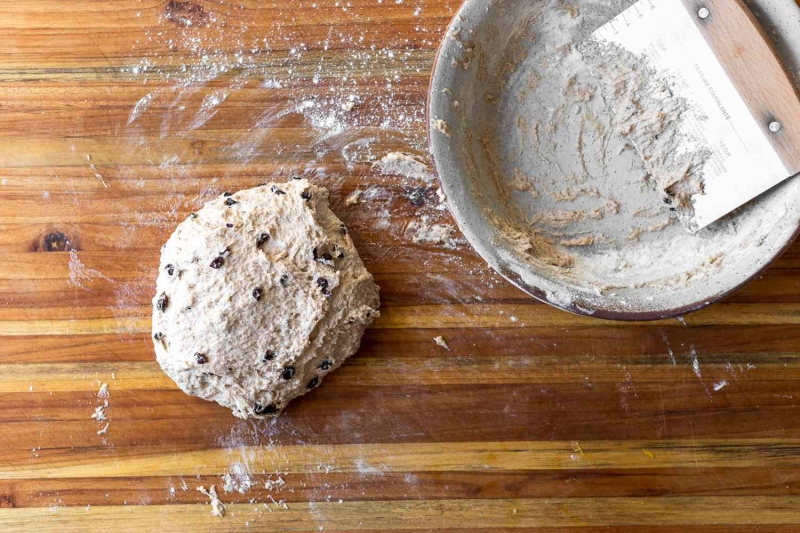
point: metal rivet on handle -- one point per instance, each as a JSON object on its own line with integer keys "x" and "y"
{"x": 774, "y": 126}
{"x": 703, "y": 13}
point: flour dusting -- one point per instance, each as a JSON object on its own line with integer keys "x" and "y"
{"x": 208, "y": 108}
{"x": 79, "y": 273}
{"x": 237, "y": 479}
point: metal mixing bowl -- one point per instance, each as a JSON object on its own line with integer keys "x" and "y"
{"x": 486, "y": 35}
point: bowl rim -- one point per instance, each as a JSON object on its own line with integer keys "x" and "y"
{"x": 583, "y": 308}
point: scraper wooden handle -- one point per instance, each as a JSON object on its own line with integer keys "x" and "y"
{"x": 752, "y": 64}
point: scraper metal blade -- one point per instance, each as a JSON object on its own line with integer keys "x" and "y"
{"x": 727, "y": 68}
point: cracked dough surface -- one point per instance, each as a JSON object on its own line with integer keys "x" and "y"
{"x": 260, "y": 295}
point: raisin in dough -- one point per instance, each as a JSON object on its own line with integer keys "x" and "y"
{"x": 259, "y": 296}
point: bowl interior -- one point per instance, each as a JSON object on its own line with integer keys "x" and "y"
{"x": 550, "y": 196}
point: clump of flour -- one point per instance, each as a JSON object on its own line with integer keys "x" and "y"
{"x": 403, "y": 164}
{"x": 423, "y": 231}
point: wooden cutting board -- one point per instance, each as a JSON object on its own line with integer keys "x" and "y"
{"x": 533, "y": 419}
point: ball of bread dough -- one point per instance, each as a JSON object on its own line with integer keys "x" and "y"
{"x": 259, "y": 296}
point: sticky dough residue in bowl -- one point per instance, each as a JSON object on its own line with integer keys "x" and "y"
{"x": 550, "y": 193}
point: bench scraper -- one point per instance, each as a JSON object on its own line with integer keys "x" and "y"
{"x": 728, "y": 69}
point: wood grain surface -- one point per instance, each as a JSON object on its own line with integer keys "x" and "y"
{"x": 119, "y": 118}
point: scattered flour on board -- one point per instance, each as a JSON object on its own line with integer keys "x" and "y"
{"x": 325, "y": 467}
{"x": 103, "y": 392}
{"x": 274, "y": 484}
{"x": 279, "y": 504}
{"x": 695, "y": 362}
{"x": 238, "y": 478}
{"x": 100, "y": 415}
{"x": 141, "y": 106}
{"x": 80, "y": 273}
{"x": 100, "y": 412}
{"x": 220, "y": 47}
{"x": 365, "y": 468}
{"x": 208, "y": 108}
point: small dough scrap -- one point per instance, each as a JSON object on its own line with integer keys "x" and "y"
{"x": 441, "y": 126}
{"x": 403, "y": 164}
{"x": 354, "y": 197}
{"x": 217, "y": 507}
{"x": 260, "y": 295}
{"x": 441, "y": 342}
